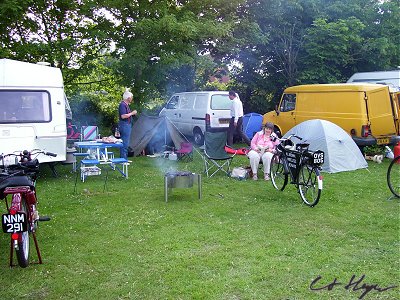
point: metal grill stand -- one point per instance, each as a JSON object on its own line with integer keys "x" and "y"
{"x": 181, "y": 180}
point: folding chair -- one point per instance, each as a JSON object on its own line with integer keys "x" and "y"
{"x": 89, "y": 133}
{"x": 185, "y": 153}
{"x": 215, "y": 155}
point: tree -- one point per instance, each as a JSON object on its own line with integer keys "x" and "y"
{"x": 162, "y": 43}
{"x": 67, "y": 34}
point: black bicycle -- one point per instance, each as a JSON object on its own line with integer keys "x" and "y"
{"x": 393, "y": 176}
{"x": 302, "y": 165}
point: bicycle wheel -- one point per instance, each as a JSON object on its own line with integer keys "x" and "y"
{"x": 278, "y": 176}
{"x": 23, "y": 238}
{"x": 393, "y": 176}
{"x": 309, "y": 185}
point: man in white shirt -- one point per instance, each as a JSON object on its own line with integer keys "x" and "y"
{"x": 236, "y": 122}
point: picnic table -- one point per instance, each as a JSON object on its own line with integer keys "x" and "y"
{"x": 99, "y": 154}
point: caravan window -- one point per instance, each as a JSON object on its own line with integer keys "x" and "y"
{"x": 24, "y": 106}
{"x": 220, "y": 102}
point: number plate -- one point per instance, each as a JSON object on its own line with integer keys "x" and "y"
{"x": 382, "y": 141}
{"x": 318, "y": 157}
{"x": 224, "y": 121}
{"x": 14, "y": 223}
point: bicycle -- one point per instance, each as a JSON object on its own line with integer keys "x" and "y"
{"x": 303, "y": 167}
{"x": 18, "y": 174}
{"x": 393, "y": 176}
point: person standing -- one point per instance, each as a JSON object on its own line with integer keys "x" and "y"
{"x": 125, "y": 122}
{"x": 236, "y": 121}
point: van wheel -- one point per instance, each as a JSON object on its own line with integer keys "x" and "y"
{"x": 198, "y": 137}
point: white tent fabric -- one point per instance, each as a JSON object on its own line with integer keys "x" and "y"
{"x": 341, "y": 152}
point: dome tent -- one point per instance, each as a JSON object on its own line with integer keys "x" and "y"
{"x": 341, "y": 152}
{"x": 252, "y": 123}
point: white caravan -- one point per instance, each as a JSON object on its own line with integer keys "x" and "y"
{"x": 32, "y": 109}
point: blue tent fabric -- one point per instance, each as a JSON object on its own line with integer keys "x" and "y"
{"x": 252, "y": 123}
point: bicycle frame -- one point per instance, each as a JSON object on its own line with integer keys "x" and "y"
{"x": 303, "y": 167}
{"x": 292, "y": 161}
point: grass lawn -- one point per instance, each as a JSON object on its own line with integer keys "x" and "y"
{"x": 242, "y": 240}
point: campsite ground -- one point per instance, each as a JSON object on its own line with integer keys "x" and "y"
{"x": 243, "y": 240}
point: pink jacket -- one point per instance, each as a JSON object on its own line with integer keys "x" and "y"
{"x": 259, "y": 141}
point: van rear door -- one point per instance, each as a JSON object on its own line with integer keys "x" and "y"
{"x": 220, "y": 111}
{"x": 380, "y": 114}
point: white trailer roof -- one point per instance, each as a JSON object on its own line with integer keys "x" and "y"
{"x": 25, "y": 75}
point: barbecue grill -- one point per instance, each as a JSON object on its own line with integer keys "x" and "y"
{"x": 180, "y": 179}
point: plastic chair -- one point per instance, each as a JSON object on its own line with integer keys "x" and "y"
{"x": 215, "y": 155}
{"x": 185, "y": 153}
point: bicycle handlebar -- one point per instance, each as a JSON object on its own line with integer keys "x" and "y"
{"x": 292, "y": 136}
{"x": 25, "y": 158}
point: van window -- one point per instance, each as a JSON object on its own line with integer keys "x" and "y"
{"x": 24, "y": 106}
{"x": 220, "y": 102}
{"x": 288, "y": 102}
{"x": 201, "y": 102}
{"x": 187, "y": 101}
{"x": 173, "y": 103}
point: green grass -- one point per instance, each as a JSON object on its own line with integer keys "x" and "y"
{"x": 242, "y": 240}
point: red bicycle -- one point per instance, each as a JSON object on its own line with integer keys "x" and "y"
{"x": 17, "y": 188}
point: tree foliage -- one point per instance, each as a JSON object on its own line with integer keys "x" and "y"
{"x": 159, "y": 47}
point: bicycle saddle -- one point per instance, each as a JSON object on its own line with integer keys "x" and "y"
{"x": 15, "y": 181}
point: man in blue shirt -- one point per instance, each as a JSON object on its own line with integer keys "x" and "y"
{"x": 125, "y": 122}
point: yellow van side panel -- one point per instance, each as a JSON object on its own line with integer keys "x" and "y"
{"x": 346, "y": 109}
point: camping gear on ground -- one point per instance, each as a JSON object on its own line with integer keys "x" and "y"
{"x": 240, "y": 173}
{"x": 389, "y": 153}
{"x": 252, "y": 123}
{"x": 341, "y": 152}
{"x": 215, "y": 155}
{"x": 239, "y": 151}
{"x": 180, "y": 179}
{"x": 154, "y": 134}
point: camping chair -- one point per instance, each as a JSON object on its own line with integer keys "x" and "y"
{"x": 186, "y": 152}
{"x": 72, "y": 132}
{"x": 89, "y": 133}
{"x": 215, "y": 155}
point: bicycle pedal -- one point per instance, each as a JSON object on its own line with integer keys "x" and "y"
{"x": 44, "y": 218}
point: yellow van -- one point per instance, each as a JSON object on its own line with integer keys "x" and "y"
{"x": 365, "y": 111}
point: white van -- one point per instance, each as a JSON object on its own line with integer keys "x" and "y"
{"x": 193, "y": 113}
{"x": 32, "y": 109}
{"x": 390, "y": 78}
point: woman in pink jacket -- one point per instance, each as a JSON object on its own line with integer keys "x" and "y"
{"x": 263, "y": 148}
